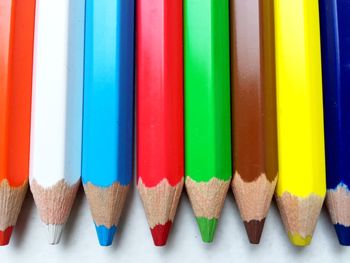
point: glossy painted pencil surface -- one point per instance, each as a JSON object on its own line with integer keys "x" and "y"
{"x": 55, "y": 163}
{"x": 107, "y": 163}
{"x": 335, "y": 32}
{"x": 207, "y": 109}
{"x": 160, "y": 147}
{"x": 254, "y": 111}
{"x": 301, "y": 183}
{"x": 16, "y": 56}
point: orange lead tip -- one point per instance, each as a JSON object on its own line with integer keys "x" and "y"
{"x": 5, "y": 236}
{"x": 160, "y": 233}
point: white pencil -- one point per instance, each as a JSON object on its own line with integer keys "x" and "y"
{"x": 55, "y": 165}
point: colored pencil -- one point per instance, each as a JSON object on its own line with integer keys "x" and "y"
{"x": 335, "y": 32}
{"x": 107, "y": 160}
{"x": 207, "y": 110}
{"x": 55, "y": 163}
{"x": 16, "y": 57}
{"x": 160, "y": 150}
{"x": 254, "y": 111}
{"x": 301, "y": 183}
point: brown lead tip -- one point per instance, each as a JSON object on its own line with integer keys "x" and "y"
{"x": 254, "y": 230}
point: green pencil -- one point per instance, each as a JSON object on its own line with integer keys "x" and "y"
{"x": 207, "y": 110}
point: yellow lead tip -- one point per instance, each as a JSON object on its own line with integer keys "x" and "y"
{"x": 299, "y": 241}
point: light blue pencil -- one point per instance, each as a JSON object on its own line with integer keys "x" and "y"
{"x": 107, "y": 158}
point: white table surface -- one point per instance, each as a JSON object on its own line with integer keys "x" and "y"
{"x": 134, "y": 244}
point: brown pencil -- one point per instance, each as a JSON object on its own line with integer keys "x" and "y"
{"x": 254, "y": 111}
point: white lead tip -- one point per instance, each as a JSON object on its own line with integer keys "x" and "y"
{"x": 54, "y": 233}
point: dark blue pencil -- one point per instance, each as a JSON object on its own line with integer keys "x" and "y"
{"x": 335, "y": 32}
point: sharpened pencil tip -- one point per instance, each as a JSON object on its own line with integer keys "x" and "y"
{"x": 207, "y": 228}
{"x": 343, "y": 234}
{"x": 160, "y": 234}
{"x": 254, "y": 230}
{"x": 299, "y": 241}
{"x": 105, "y": 235}
{"x": 54, "y": 233}
{"x": 5, "y": 236}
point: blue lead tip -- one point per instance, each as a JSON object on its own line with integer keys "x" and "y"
{"x": 105, "y": 235}
{"x": 343, "y": 234}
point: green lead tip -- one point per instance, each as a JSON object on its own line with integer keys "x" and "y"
{"x": 207, "y": 228}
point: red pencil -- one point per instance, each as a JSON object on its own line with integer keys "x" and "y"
{"x": 160, "y": 160}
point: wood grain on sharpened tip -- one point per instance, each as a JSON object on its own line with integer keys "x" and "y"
{"x": 160, "y": 161}
{"x": 335, "y": 42}
{"x": 16, "y": 57}
{"x": 55, "y": 163}
{"x": 254, "y": 111}
{"x": 301, "y": 183}
{"x": 107, "y": 155}
{"x": 207, "y": 110}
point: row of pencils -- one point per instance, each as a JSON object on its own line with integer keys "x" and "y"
{"x": 223, "y": 89}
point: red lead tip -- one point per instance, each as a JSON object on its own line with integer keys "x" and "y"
{"x": 5, "y": 236}
{"x": 160, "y": 233}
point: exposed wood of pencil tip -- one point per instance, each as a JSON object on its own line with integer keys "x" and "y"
{"x": 207, "y": 198}
{"x": 11, "y": 199}
{"x": 160, "y": 202}
{"x": 106, "y": 203}
{"x": 299, "y": 215}
{"x": 253, "y": 198}
{"x": 338, "y": 203}
{"x": 54, "y": 203}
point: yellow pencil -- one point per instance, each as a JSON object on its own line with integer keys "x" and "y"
{"x": 301, "y": 187}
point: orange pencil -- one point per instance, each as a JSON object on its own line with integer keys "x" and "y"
{"x": 16, "y": 53}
